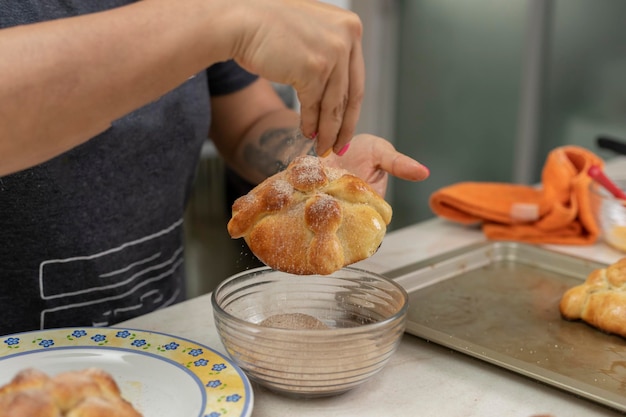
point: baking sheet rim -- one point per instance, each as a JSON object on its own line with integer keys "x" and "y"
{"x": 486, "y": 354}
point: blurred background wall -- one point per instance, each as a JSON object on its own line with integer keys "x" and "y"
{"x": 463, "y": 84}
{"x": 586, "y": 74}
{"x": 459, "y": 73}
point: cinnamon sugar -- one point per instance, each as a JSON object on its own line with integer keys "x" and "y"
{"x": 293, "y": 321}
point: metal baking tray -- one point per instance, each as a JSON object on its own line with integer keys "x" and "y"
{"x": 498, "y": 301}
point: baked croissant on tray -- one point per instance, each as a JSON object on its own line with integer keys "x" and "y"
{"x": 311, "y": 219}
{"x": 600, "y": 301}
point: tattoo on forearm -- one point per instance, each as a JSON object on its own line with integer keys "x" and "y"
{"x": 276, "y": 148}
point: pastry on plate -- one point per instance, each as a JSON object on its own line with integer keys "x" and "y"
{"x": 311, "y": 219}
{"x": 90, "y": 392}
{"x": 600, "y": 301}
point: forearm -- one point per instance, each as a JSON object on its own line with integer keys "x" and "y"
{"x": 269, "y": 145}
{"x": 64, "y": 81}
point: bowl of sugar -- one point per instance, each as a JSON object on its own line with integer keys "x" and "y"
{"x": 310, "y": 335}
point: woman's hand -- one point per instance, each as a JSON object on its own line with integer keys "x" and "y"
{"x": 316, "y": 48}
{"x": 373, "y": 158}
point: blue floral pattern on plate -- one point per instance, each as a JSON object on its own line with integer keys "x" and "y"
{"x": 214, "y": 372}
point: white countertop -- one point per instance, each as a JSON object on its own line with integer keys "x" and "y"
{"x": 422, "y": 378}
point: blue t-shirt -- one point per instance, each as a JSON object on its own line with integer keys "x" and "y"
{"x": 94, "y": 236}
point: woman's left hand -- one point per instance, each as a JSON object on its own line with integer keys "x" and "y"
{"x": 373, "y": 158}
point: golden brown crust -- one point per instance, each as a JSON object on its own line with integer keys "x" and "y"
{"x": 27, "y": 403}
{"x": 84, "y": 393}
{"x": 600, "y": 301}
{"x": 311, "y": 219}
{"x": 25, "y": 380}
{"x": 99, "y": 407}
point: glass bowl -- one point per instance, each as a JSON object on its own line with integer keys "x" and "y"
{"x": 610, "y": 214}
{"x": 312, "y": 335}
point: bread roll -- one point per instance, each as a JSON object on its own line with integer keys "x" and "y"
{"x": 600, "y": 301}
{"x": 85, "y": 393}
{"x": 311, "y": 219}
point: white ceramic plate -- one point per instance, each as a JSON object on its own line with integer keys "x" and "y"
{"x": 160, "y": 374}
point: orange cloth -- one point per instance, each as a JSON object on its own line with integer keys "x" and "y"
{"x": 557, "y": 211}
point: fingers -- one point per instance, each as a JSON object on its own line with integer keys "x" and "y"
{"x": 333, "y": 107}
{"x": 334, "y": 113}
{"x": 322, "y": 59}
{"x": 309, "y": 113}
{"x": 356, "y": 91}
{"x": 371, "y": 156}
{"x": 403, "y": 166}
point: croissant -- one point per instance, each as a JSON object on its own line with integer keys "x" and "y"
{"x": 600, "y": 301}
{"x": 86, "y": 393}
{"x": 311, "y": 219}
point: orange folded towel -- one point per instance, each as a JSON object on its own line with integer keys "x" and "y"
{"x": 557, "y": 211}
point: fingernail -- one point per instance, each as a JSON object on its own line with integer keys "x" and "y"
{"x": 344, "y": 149}
{"x": 313, "y": 135}
{"x": 325, "y": 154}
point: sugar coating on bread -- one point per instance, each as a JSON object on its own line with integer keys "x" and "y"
{"x": 600, "y": 301}
{"x": 83, "y": 393}
{"x": 311, "y": 219}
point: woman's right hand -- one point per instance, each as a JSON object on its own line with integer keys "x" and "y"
{"x": 314, "y": 47}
